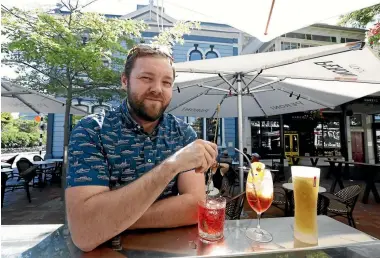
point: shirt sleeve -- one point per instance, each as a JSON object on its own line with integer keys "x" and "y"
{"x": 86, "y": 165}
{"x": 190, "y": 135}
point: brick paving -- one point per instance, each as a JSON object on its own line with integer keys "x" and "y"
{"x": 48, "y": 208}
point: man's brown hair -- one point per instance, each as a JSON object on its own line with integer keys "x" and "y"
{"x": 143, "y": 50}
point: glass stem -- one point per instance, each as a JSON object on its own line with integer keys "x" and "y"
{"x": 258, "y": 220}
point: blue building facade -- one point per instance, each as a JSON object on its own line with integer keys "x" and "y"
{"x": 210, "y": 41}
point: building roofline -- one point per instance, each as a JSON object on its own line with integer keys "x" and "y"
{"x": 336, "y": 27}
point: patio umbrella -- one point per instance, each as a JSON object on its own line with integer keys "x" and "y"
{"x": 15, "y": 98}
{"x": 267, "y": 19}
{"x": 275, "y": 83}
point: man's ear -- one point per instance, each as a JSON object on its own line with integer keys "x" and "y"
{"x": 124, "y": 81}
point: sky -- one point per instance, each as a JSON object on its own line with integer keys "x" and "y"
{"x": 121, "y": 7}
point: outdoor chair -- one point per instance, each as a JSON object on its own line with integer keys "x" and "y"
{"x": 19, "y": 181}
{"x": 342, "y": 203}
{"x": 280, "y": 200}
{"x": 37, "y": 158}
{"x": 234, "y": 206}
{"x": 323, "y": 203}
{"x": 234, "y": 198}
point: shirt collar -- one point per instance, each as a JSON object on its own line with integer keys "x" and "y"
{"x": 130, "y": 123}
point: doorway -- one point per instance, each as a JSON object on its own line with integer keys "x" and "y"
{"x": 291, "y": 145}
{"x": 357, "y": 145}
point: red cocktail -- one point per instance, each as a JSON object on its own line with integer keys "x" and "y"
{"x": 211, "y": 216}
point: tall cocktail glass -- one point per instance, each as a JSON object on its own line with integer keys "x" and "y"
{"x": 259, "y": 191}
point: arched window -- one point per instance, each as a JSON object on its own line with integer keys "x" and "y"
{"x": 211, "y": 53}
{"x": 195, "y": 54}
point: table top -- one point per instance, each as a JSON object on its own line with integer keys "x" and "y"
{"x": 43, "y": 162}
{"x": 54, "y": 160}
{"x": 289, "y": 186}
{"x": 5, "y": 165}
{"x": 55, "y": 241}
{"x": 6, "y": 170}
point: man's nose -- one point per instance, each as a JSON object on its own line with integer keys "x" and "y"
{"x": 156, "y": 86}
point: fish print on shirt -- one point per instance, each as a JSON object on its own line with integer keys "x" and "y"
{"x": 112, "y": 149}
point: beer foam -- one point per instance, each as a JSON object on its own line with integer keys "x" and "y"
{"x": 308, "y": 172}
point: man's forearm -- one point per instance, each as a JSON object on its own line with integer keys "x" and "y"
{"x": 107, "y": 214}
{"x": 175, "y": 211}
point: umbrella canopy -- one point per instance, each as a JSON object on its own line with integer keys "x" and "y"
{"x": 15, "y": 98}
{"x": 275, "y": 83}
{"x": 267, "y": 19}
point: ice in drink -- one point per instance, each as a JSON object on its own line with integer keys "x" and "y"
{"x": 305, "y": 185}
{"x": 211, "y": 217}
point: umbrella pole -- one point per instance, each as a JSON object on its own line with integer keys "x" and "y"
{"x": 240, "y": 130}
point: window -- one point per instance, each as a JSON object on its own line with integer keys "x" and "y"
{"x": 272, "y": 48}
{"x": 289, "y": 45}
{"x": 356, "y": 120}
{"x": 295, "y": 35}
{"x": 211, "y": 54}
{"x": 322, "y": 38}
{"x": 347, "y": 40}
{"x": 195, "y": 54}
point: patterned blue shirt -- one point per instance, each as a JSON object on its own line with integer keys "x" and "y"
{"x": 111, "y": 149}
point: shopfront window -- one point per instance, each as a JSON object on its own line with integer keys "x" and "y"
{"x": 327, "y": 139}
{"x": 265, "y": 136}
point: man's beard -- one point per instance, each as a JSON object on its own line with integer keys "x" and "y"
{"x": 140, "y": 109}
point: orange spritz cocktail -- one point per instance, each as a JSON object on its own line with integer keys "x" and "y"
{"x": 259, "y": 191}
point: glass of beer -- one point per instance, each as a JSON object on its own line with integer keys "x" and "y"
{"x": 259, "y": 191}
{"x": 305, "y": 185}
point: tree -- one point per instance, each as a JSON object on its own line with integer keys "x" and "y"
{"x": 360, "y": 18}
{"x": 74, "y": 54}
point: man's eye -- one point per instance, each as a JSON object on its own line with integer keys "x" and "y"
{"x": 146, "y": 78}
{"x": 169, "y": 84}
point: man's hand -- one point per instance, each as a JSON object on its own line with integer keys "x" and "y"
{"x": 198, "y": 155}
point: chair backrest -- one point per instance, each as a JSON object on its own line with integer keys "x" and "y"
{"x": 349, "y": 195}
{"x": 23, "y": 164}
{"x": 11, "y": 160}
{"x": 37, "y": 158}
{"x": 322, "y": 204}
{"x": 235, "y": 202}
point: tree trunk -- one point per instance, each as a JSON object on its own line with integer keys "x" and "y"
{"x": 66, "y": 140}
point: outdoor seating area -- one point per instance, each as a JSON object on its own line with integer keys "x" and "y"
{"x": 27, "y": 174}
{"x": 186, "y": 129}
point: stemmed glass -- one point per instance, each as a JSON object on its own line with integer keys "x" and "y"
{"x": 259, "y": 191}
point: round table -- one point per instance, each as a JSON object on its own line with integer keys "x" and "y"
{"x": 5, "y": 165}
{"x": 289, "y": 186}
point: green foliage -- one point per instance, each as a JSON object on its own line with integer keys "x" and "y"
{"x": 360, "y": 18}
{"x": 67, "y": 54}
{"x": 19, "y": 133}
{"x": 174, "y": 34}
{"x": 6, "y": 118}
